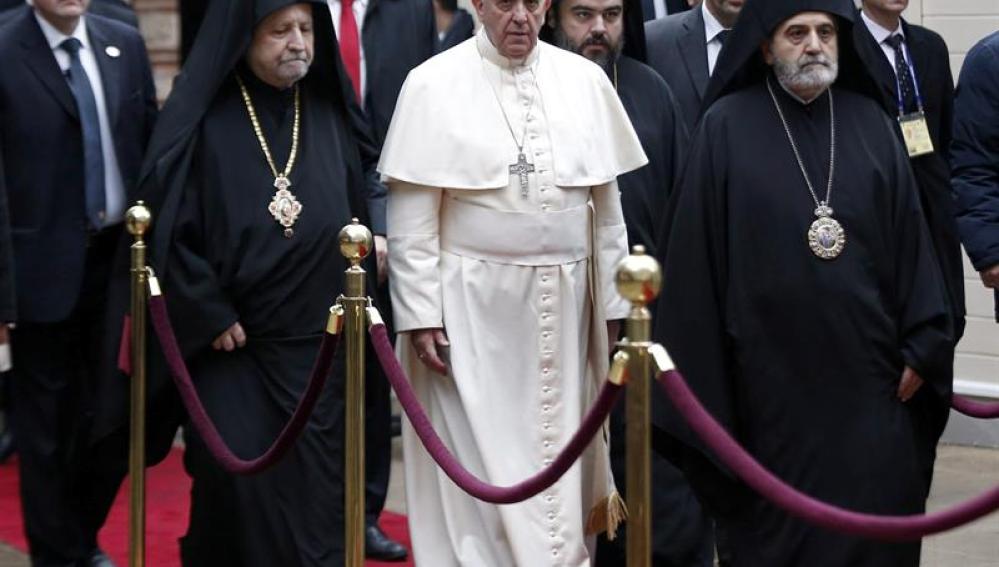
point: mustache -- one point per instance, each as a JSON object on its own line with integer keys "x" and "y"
{"x": 807, "y": 60}
{"x": 600, "y": 40}
{"x": 295, "y": 57}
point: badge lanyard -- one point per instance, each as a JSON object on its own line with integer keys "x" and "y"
{"x": 907, "y": 55}
{"x": 914, "y": 128}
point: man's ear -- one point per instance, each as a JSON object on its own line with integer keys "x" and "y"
{"x": 765, "y": 52}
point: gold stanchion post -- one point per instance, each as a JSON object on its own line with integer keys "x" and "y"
{"x": 138, "y": 219}
{"x": 639, "y": 280}
{"x": 355, "y": 245}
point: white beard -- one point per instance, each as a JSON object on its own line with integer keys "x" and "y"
{"x": 797, "y": 76}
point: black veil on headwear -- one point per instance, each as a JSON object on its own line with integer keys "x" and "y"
{"x": 222, "y": 42}
{"x": 741, "y": 63}
{"x": 634, "y": 29}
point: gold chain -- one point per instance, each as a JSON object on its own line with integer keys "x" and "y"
{"x": 260, "y": 133}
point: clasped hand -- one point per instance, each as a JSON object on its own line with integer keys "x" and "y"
{"x": 232, "y": 338}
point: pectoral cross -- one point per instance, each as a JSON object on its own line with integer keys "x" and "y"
{"x": 522, "y": 169}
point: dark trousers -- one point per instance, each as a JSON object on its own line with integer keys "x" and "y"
{"x": 377, "y": 424}
{"x": 67, "y": 484}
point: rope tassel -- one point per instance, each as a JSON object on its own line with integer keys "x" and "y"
{"x": 607, "y": 516}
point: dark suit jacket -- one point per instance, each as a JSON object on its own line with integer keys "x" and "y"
{"x": 398, "y": 35}
{"x": 114, "y": 9}
{"x": 462, "y": 28}
{"x": 677, "y": 50}
{"x": 42, "y": 155}
{"x": 975, "y": 154}
{"x": 931, "y": 60}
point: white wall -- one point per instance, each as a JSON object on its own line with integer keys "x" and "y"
{"x": 962, "y": 23}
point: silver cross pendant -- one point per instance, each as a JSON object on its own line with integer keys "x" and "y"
{"x": 522, "y": 169}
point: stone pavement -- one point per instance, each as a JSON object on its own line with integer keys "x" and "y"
{"x": 961, "y": 473}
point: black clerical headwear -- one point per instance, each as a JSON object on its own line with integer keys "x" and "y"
{"x": 741, "y": 63}
{"x": 634, "y": 29}
{"x": 222, "y": 42}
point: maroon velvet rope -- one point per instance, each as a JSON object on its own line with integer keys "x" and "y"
{"x": 796, "y": 503}
{"x": 972, "y": 408}
{"x": 222, "y": 454}
{"x": 449, "y": 464}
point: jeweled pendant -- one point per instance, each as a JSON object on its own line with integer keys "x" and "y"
{"x": 826, "y": 237}
{"x": 284, "y": 207}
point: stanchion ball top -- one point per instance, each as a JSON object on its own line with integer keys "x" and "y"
{"x": 639, "y": 278}
{"x": 355, "y": 241}
{"x": 138, "y": 219}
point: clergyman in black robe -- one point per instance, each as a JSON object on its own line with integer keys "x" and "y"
{"x": 611, "y": 33}
{"x": 224, "y": 259}
{"x": 810, "y": 361}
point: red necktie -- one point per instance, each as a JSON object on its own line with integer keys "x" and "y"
{"x": 350, "y": 45}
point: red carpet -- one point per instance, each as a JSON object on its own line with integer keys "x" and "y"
{"x": 168, "y": 489}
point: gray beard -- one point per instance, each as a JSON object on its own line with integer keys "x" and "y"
{"x": 606, "y": 61}
{"x": 795, "y": 78}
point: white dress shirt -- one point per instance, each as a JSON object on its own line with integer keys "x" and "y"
{"x": 360, "y": 8}
{"x": 660, "y": 6}
{"x": 114, "y": 187}
{"x": 881, "y": 36}
{"x": 712, "y": 27}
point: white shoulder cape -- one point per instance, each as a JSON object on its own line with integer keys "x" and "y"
{"x": 447, "y": 123}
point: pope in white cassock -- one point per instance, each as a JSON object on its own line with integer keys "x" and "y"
{"x": 505, "y": 227}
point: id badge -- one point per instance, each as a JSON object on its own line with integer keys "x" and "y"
{"x": 916, "y": 134}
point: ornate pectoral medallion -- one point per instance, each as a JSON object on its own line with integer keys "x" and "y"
{"x": 284, "y": 206}
{"x": 826, "y": 236}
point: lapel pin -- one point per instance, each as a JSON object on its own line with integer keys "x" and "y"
{"x": 112, "y": 51}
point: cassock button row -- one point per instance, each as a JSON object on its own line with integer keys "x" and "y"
{"x": 546, "y": 390}
{"x": 547, "y": 462}
{"x": 547, "y": 425}
{"x": 546, "y": 408}
{"x": 551, "y": 515}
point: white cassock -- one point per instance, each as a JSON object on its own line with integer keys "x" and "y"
{"x": 523, "y": 286}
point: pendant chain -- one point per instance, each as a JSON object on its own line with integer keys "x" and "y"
{"x": 260, "y": 133}
{"x": 822, "y": 205}
{"x": 499, "y": 101}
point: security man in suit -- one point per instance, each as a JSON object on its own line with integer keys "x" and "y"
{"x": 911, "y": 64}
{"x": 114, "y": 9}
{"x": 381, "y": 41}
{"x": 77, "y": 105}
{"x": 683, "y": 49}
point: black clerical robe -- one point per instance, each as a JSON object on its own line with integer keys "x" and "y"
{"x": 653, "y": 112}
{"x": 681, "y": 530}
{"x": 799, "y": 357}
{"x": 229, "y": 261}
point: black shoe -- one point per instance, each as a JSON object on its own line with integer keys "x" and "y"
{"x": 99, "y": 559}
{"x": 6, "y": 445}
{"x": 378, "y": 546}
{"x": 396, "y": 425}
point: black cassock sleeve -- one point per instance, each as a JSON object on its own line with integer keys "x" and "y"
{"x": 690, "y": 319}
{"x": 925, "y": 324}
{"x": 199, "y": 307}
